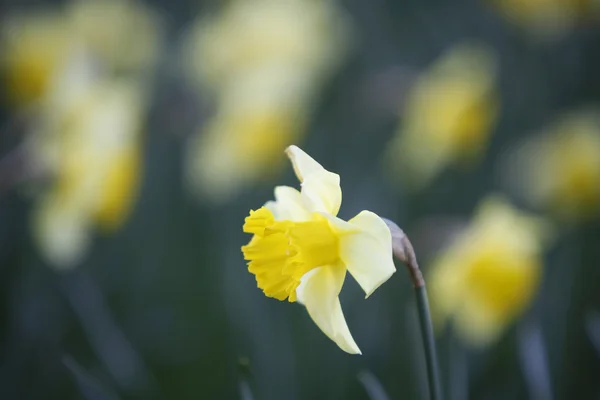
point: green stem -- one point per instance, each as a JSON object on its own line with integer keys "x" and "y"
{"x": 403, "y": 250}
{"x": 433, "y": 376}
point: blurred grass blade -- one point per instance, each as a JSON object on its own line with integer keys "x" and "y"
{"x": 108, "y": 341}
{"x": 244, "y": 382}
{"x": 592, "y": 328}
{"x": 458, "y": 369}
{"x": 534, "y": 361}
{"x": 372, "y": 386}
{"x": 90, "y": 388}
{"x": 245, "y": 391}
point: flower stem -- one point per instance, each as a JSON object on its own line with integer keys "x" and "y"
{"x": 428, "y": 343}
{"x": 403, "y": 250}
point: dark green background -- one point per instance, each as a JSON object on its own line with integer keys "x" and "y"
{"x": 168, "y": 298}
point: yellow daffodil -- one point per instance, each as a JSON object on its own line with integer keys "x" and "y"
{"x": 560, "y": 169}
{"x": 301, "y": 251}
{"x": 64, "y": 63}
{"x": 490, "y": 273}
{"x": 547, "y": 18}
{"x": 93, "y": 152}
{"x": 263, "y": 61}
{"x": 124, "y": 35}
{"x": 33, "y": 48}
{"x": 448, "y": 114}
{"x": 307, "y": 36}
{"x": 249, "y": 132}
{"x": 118, "y": 35}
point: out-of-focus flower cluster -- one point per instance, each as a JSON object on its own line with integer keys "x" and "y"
{"x": 488, "y": 275}
{"x": 264, "y": 62}
{"x": 81, "y": 75}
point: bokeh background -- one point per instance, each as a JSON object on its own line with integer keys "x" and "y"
{"x": 135, "y": 136}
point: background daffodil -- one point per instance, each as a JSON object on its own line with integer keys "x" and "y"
{"x": 559, "y": 169}
{"x": 81, "y": 72}
{"x": 448, "y": 114}
{"x": 301, "y": 251}
{"x": 119, "y": 36}
{"x": 263, "y": 62}
{"x": 548, "y": 18}
{"x": 490, "y": 273}
{"x": 88, "y": 142}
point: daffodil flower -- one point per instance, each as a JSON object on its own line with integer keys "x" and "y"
{"x": 547, "y": 19}
{"x": 490, "y": 274}
{"x": 447, "y": 116}
{"x": 263, "y": 63}
{"x": 92, "y": 149}
{"x": 559, "y": 169}
{"x": 301, "y": 251}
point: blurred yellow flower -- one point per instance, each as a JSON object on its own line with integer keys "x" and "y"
{"x": 559, "y": 169}
{"x": 301, "y": 251}
{"x": 119, "y": 35}
{"x": 490, "y": 273}
{"x": 124, "y": 35}
{"x": 548, "y": 18}
{"x": 448, "y": 115}
{"x": 92, "y": 150}
{"x": 84, "y": 71}
{"x": 33, "y": 47}
{"x": 264, "y": 62}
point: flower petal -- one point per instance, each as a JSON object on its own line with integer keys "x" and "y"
{"x": 322, "y": 193}
{"x": 304, "y": 165}
{"x": 320, "y": 188}
{"x": 319, "y": 291}
{"x": 368, "y": 253}
{"x": 288, "y": 205}
{"x": 62, "y": 233}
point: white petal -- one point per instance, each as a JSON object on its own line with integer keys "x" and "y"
{"x": 321, "y": 192}
{"x": 288, "y": 205}
{"x": 303, "y": 164}
{"x": 319, "y": 293}
{"x": 368, "y": 253}
{"x": 62, "y": 234}
{"x": 320, "y": 188}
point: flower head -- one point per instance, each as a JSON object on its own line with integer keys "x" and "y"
{"x": 548, "y": 18}
{"x": 490, "y": 274}
{"x": 448, "y": 114}
{"x": 301, "y": 251}
{"x": 263, "y": 62}
{"x": 34, "y": 47}
{"x": 90, "y": 144}
{"x": 559, "y": 170}
{"x": 120, "y": 36}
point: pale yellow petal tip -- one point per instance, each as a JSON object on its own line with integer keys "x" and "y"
{"x": 302, "y": 163}
{"x": 381, "y": 282}
{"x": 348, "y": 345}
